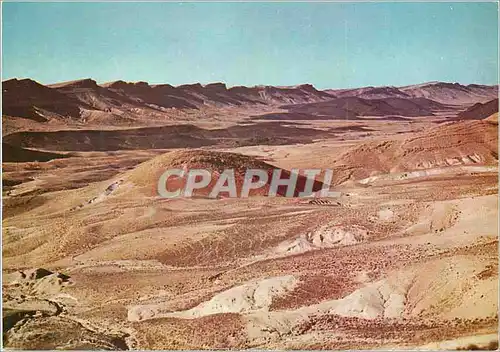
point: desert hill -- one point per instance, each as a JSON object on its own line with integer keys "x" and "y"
{"x": 480, "y": 111}
{"x": 450, "y": 144}
{"x": 29, "y": 99}
{"x": 148, "y": 173}
{"x": 452, "y": 93}
{"x": 493, "y": 118}
{"x": 89, "y": 93}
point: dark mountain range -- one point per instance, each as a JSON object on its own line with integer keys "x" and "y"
{"x": 119, "y": 100}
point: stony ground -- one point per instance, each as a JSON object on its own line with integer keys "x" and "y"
{"x": 402, "y": 259}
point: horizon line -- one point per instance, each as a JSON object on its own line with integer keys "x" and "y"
{"x": 241, "y": 85}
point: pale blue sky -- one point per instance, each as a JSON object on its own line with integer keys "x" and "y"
{"x": 326, "y": 44}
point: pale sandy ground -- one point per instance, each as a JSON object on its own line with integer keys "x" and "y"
{"x": 404, "y": 260}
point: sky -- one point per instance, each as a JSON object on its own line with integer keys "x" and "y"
{"x": 330, "y": 45}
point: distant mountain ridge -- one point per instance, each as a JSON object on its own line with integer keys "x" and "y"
{"x": 27, "y": 98}
{"x": 442, "y": 92}
{"x": 71, "y": 100}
